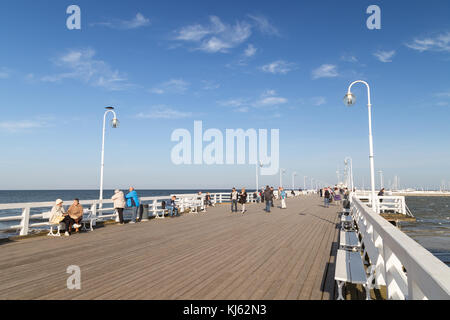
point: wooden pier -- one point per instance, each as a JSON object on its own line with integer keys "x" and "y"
{"x": 285, "y": 254}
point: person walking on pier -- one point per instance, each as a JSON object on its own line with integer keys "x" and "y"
{"x": 119, "y": 204}
{"x": 262, "y": 195}
{"x": 282, "y": 197}
{"x": 133, "y": 202}
{"x": 234, "y": 200}
{"x": 268, "y": 196}
{"x": 326, "y": 197}
{"x": 243, "y": 199}
{"x": 271, "y": 201}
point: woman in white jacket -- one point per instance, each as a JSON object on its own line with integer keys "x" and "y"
{"x": 119, "y": 203}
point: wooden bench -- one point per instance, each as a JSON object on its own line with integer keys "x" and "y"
{"x": 88, "y": 218}
{"x": 350, "y": 269}
{"x": 48, "y": 215}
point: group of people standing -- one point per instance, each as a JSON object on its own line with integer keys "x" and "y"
{"x": 265, "y": 195}
{"x": 130, "y": 200}
{"x": 333, "y": 194}
{"x": 240, "y": 197}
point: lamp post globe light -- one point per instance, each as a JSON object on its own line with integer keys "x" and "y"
{"x": 114, "y": 124}
{"x": 349, "y": 100}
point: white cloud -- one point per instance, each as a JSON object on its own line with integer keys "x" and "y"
{"x": 4, "y": 75}
{"x": 270, "y": 98}
{"x": 210, "y": 85}
{"x": 242, "y": 109}
{"x": 440, "y": 42}
{"x": 349, "y": 58}
{"x": 21, "y": 125}
{"x": 233, "y": 103}
{"x": 384, "y": 56}
{"x": 318, "y": 101}
{"x": 325, "y": 71}
{"x": 178, "y": 86}
{"x": 270, "y": 101}
{"x": 278, "y": 67}
{"x": 263, "y": 25}
{"x": 81, "y": 65}
{"x": 443, "y": 94}
{"x": 250, "y": 51}
{"x": 269, "y": 93}
{"x": 215, "y": 37}
{"x": 137, "y": 22}
{"x": 267, "y": 98}
{"x": 164, "y": 112}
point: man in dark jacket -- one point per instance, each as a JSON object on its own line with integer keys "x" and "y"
{"x": 271, "y": 202}
{"x": 268, "y": 197}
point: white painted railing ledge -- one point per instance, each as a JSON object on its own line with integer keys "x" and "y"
{"x": 430, "y": 274}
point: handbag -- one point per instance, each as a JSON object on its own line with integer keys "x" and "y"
{"x": 56, "y": 218}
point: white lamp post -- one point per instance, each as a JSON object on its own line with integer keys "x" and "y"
{"x": 282, "y": 171}
{"x": 348, "y": 160}
{"x": 350, "y": 100}
{"x": 304, "y": 182}
{"x": 114, "y": 124}
{"x": 293, "y": 180}
{"x": 381, "y": 179}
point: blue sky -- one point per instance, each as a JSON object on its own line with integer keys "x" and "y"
{"x": 232, "y": 64}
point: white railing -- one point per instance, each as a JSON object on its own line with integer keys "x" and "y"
{"x": 407, "y": 269}
{"x": 31, "y": 213}
{"x": 386, "y": 204}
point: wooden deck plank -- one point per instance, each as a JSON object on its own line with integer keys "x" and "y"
{"x": 216, "y": 255}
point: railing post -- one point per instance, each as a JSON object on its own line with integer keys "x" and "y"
{"x": 154, "y": 208}
{"x": 182, "y": 205}
{"x": 215, "y": 198}
{"x": 220, "y": 198}
{"x": 25, "y": 222}
{"x": 403, "y": 206}
{"x": 94, "y": 212}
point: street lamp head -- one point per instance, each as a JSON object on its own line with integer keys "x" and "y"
{"x": 115, "y": 123}
{"x": 349, "y": 99}
{"x": 109, "y": 108}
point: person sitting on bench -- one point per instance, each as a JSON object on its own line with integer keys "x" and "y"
{"x": 74, "y": 216}
{"x": 172, "y": 207}
{"x": 208, "y": 202}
